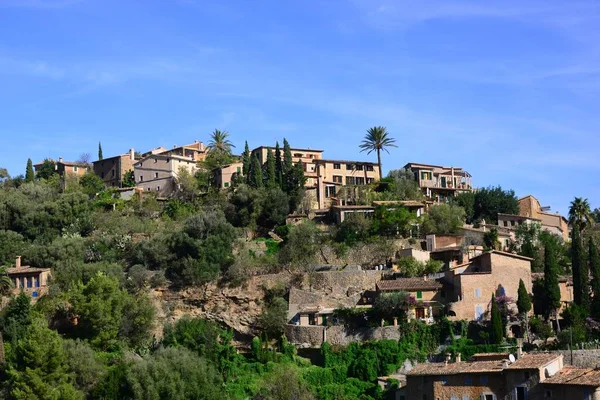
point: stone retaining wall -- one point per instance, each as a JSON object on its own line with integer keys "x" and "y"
{"x": 582, "y": 358}
{"x": 313, "y": 336}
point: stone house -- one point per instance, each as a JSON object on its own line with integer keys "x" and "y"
{"x": 426, "y": 296}
{"x": 112, "y": 170}
{"x": 439, "y": 184}
{"x": 489, "y": 379}
{"x": 158, "y": 173}
{"x": 29, "y": 280}
{"x": 573, "y": 383}
{"x": 565, "y": 285}
{"x": 474, "y": 282}
{"x": 66, "y": 168}
{"x": 530, "y": 207}
{"x": 195, "y": 151}
{"x": 224, "y": 175}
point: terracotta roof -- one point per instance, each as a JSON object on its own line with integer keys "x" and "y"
{"x": 449, "y": 248}
{"x": 575, "y": 376}
{"x": 408, "y": 284}
{"x": 24, "y": 270}
{"x": 533, "y": 360}
{"x": 528, "y": 361}
{"x": 456, "y": 368}
{"x": 503, "y": 253}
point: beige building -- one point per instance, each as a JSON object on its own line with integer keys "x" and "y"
{"x": 195, "y": 151}
{"x": 29, "y": 280}
{"x": 225, "y": 175}
{"x": 66, "y": 168}
{"x": 530, "y": 207}
{"x": 492, "y": 273}
{"x": 426, "y": 297}
{"x": 158, "y": 173}
{"x": 439, "y": 183}
{"x": 574, "y": 383}
{"x": 565, "y": 285}
{"x": 487, "y": 379}
{"x": 112, "y": 170}
{"x": 334, "y": 175}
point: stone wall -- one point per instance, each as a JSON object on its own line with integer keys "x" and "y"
{"x": 582, "y": 358}
{"x": 313, "y": 336}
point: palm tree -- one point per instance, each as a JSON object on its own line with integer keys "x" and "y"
{"x": 377, "y": 139}
{"x": 219, "y": 141}
{"x": 5, "y": 282}
{"x": 580, "y": 215}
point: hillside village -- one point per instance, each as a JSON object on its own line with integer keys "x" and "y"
{"x": 470, "y": 291}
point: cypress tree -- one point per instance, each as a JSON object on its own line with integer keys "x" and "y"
{"x": 496, "y": 328}
{"x": 270, "y": 174}
{"x": 551, "y": 288}
{"x": 100, "y": 151}
{"x": 255, "y": 178}
{"x": 594, "y": 260}
{"x": 523, "y": 301}
{"x": 580, "y": 271}
{"x": 29, "y": 174}
{"x": 288, "y": 162}
{"x": 246, "y": 160}
{"x": 278, "y": 165}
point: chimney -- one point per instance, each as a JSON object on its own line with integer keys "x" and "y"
{"x": 458, "y": 357}
{"x": 131, "y": 154}
{"x": 60, "y": 159}
{"x": 447, "y": 359}
{"x": 18, "y": 262}
{"x": 425, "y": 277}
{"x": 519, "y": 348}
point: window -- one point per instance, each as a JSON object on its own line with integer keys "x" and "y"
{"x": 370, "y": 168}
{"x": 349, "y": 166}
{"x": 299, "y": 155}
{"x": 477, "y": 292}
{"x": 453, "y": 397}
{"x": 478, "y": 312}
{"x": 337, "y": 166}
{"x": 425, "y": 175}
{"x": 329, "y": 191}
{"x": 225, "y": 184}
{"x": 420, "y": 313}
{"x": 488, "y": 396}
{"x": 370, "y": 180}
{"x": 337, "y": 178}
{"x": 141, "y": 178}
{"x": 513, "y": 223}
{"x": 419, "y": 295}
{"x": 158, "y": 188}
{"x": 156, "y": 175}
{"x": 465, "y": 397}
{"x": 349, "y": 180}
{"x": 483, "y": 379}
{"x": 75, "y": 169}
{"x": 359, "y": 180}
{"x": 22, "y": 281}
{"x": 505, "y": 223}
{"x": 155, "y": 161}
{"x": 29, "y": 282}
{"x": 359, "y": 167}
{"x": 37, "y": 281}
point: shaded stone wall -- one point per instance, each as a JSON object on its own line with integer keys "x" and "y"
{"x": 582, "y": 358}
{"x": 312, "y": 336}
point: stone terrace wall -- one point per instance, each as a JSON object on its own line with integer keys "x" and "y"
{"x": 582, "y": 358}
{"x": 312, "y": 336}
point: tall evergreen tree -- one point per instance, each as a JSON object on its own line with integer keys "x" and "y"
{"x": 288, "y": 162}
{"x": 246, "y": 160}
{"x": 278, "y": 165}
{"x": 524, "y": 304}
{"x": 255, "y": 177}
{"x": 551, "y": 288}
{"x": 270, "y": 173}
{"x": 100, "y": 151}
{"x": 580, "y": 271}
{"x": 496, "y": 328}
{"x": 594, "y": 262}
{"x": 29, "y": 174}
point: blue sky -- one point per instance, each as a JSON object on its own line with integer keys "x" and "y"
{"x": 507, "y": 89}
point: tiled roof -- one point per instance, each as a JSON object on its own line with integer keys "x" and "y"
{"x": 533, "y": 360}
{"x": 408, "y": 284}
{"x": 456, "y": 368}
{"x": 575, "y": 376}
{"x": 25, "y": 270}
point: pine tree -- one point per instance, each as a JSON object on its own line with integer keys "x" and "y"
{"x": 270, "y": 174}
{"x": 496, "y": 328}
{"x": 246, "y": 160}
{"x": 29, "y": 174}
{"x": 278, "y": 165}
{"x": 100, "y": 151}
{"x": 594, "y": 260}
{"x": 255, "y": 178}
{"x": 580, "y": 271}
{"x": 551, "y": 288}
